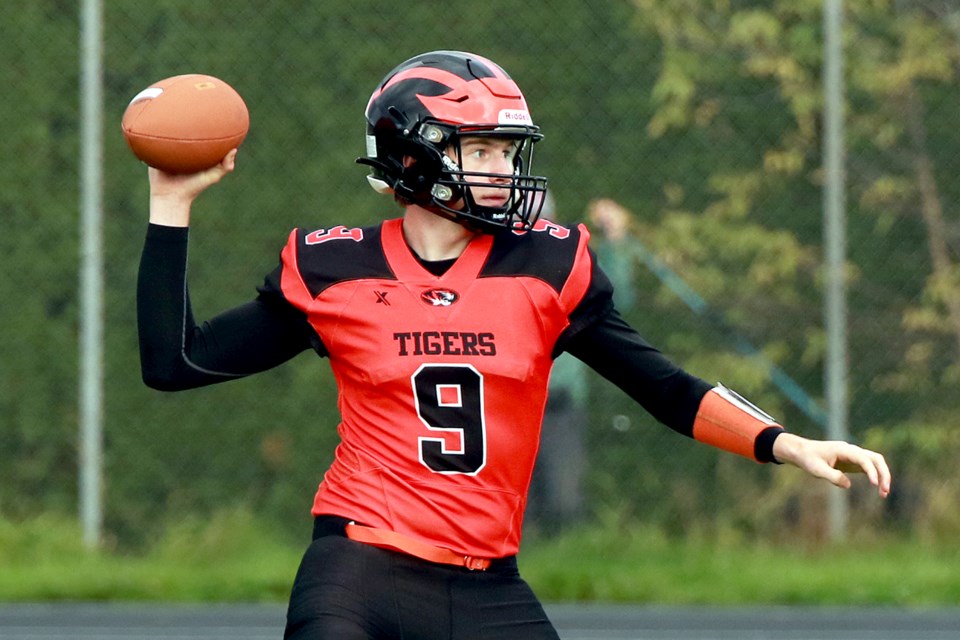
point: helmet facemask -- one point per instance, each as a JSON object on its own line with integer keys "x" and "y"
{"x": 451, "y": 194}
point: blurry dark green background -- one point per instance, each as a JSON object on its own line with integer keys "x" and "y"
{"x": 703, "y": 118}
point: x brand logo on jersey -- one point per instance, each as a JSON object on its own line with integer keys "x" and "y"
{"x": 382, "y": 298}
{"x": 439, "y": 297}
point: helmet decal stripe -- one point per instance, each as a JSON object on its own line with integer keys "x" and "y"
{"x": 420, "y": 73}
{"x": 491, "y": 66}
{"x": 473, "y": 105}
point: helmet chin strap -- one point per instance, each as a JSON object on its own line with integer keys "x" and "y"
{"x": 473, "y": 216}
{"x": 463, "y": 221}
{"x": 472, "y": 222}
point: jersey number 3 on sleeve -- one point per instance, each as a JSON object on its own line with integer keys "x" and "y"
{"x": 449, "y": 398}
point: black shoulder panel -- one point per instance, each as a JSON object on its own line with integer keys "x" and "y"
{"x": 328, "y": 256}
{"x": 547, "y": 252}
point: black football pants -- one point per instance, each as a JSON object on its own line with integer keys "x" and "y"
{"x": 347, "y": 590}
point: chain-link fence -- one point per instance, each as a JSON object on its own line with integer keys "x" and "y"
{"x": 702, "y": 119}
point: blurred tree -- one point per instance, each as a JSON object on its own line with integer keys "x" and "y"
{"x": 39, "y": 253}
{"x": 901, "y": 61}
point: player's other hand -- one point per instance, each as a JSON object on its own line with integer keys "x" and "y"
{"x": 832, "y": 460}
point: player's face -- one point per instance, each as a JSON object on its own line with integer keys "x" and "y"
{"x": 488, "y": 155}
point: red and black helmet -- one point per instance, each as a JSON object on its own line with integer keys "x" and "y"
{"x": 421, "y": 111}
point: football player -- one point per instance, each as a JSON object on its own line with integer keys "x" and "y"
{"x": 440, "y": 326}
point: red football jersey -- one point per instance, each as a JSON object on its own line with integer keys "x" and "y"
{"x": 442, "y": 380}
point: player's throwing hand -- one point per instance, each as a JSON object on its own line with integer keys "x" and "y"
{"x": 171, "y": 195}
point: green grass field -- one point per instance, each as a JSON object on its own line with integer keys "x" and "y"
{"x": 233, "y": 557}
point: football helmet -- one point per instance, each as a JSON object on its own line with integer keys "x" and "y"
{"x": 416, "y": 119}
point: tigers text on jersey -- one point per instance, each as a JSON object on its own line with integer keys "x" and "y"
{"x": 442, "y": 379}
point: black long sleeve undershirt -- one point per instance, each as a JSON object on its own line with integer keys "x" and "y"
{"x": 177, "y": 354}
{"x": 617, "y": 352}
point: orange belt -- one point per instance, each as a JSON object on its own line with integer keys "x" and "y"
{"x": 394, "y": 541}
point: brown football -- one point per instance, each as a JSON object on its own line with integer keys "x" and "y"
{"x": 185, "y": 123}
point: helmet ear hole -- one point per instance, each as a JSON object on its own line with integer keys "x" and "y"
{"x": 421, "y": 170}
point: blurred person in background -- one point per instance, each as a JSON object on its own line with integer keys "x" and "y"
{"x": 557, "y": 493}
{"x": 441, "y": 327}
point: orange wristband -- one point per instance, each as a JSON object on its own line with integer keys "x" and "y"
{"x": 727, "y": 421}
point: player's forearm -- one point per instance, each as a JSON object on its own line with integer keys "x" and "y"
{"x": 614, "y": 350}
{"x": 728, "y": 421}
{"x": 170, "y": 210}
{"x": 786, "y": 448}
{"x": 683, "y": 402}
{"x": 163, "y": 310}
{"x": 164, "y": 321}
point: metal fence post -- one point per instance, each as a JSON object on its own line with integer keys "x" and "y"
{"x": 834, "y": 238}
{"x": 91, "y": 272}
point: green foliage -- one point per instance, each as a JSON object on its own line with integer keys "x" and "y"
{"x": 925, "y": 452}
{"x": 236, "y": 557}
{"x": 638, "y": 564}
{"x": 230, "y": 557}
{"x": 38, "y": 249}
